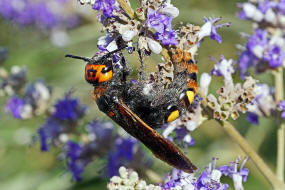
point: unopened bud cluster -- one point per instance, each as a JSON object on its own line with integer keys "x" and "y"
{"x": 129, "y": 180}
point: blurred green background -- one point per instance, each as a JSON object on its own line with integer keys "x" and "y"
{"x": 24, "y": 167}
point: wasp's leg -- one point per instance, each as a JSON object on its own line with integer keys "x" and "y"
{"x": 125, "y": 70}
{"x": 142, "y": 75}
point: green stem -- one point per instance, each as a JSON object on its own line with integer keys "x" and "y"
{"x": 260, "y": 164}
{"x": 126, "y": 7}
{"x": 153, "y": 176}
{"x": 279, "y": 95}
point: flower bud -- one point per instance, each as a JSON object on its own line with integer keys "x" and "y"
{"x": 112, "y": 46}
{"x": 205, "y": 30}
{"x": 252, "y": 12}
{"x": 128, "y": 35}
{"x": 205, "y": 81}
{"x": 170, "y": 11}
{"x": 154, "y": 46}
{"x": 270, "y": 16}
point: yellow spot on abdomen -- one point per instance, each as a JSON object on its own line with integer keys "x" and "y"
{"x": 190, "y": 96}
{"x": 173, "y": 115}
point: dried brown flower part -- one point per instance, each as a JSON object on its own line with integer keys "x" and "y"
{"x": 232, "y": 99}
{"x": 188, "y": 38}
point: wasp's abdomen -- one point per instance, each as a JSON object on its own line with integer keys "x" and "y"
{"x": 185, "y": 61}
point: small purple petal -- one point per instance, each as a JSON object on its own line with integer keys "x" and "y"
{"x": 167, "y": 37}
{"x": 214, "y": 34}
{"x": 158, "y": 21}
{"x": 68, "y": 109}
{"x": 76, "y": 160}
{"x": 122, "y": 152}
{"x": 49, "y": 132}
{"x": 282, "y": 106}
{"x": 275, "y": 56}
{"x": 252, "y": 118}
{"x": 14, "y": 106}
{"x": 106, "y": 6}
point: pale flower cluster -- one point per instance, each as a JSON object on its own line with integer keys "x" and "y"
{"x": 128, "y": 180}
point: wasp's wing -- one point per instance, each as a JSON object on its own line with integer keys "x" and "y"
{"x": 162, "y": 148}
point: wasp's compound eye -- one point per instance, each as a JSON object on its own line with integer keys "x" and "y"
{"x": 173, "y": 113}
{"x": 95, "y": 74}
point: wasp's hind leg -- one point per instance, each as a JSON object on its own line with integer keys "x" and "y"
{"x": 125, "y": 71}
{"x": 142, "y": 74}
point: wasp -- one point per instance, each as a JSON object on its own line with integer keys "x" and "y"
{"x": 140, "y": 112}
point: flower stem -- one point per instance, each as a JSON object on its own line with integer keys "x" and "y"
{"x": 260, "y": 164}
{"x": 126, "y": 7}
{"x": 279, "y": 95}
{"x": 153, "y": 176}
{"x": 280, "y": 152}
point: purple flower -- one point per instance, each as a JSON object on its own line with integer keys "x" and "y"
{"x": 38, "y": 94}
{"x": 77, "y": 159}
{"x": 162, "y": 24}
{"x": 263, "y": 6}
{"x": 49, "y": 133}
{"x": 102, "y": 136}
{"x": 209, "y": 179}
{"x": 45, "y": 18}
{"x": 127, "y": 152}
{"x": 176, "y": 179}
{"x": 237, "y": 175}
{"x": 252, "y": 118}
{"x": 167, "y": 37}
{"x": 158, "y": 21}
{"x": 281, "y": 6}
{"x": 61, "y": 122}
{"x": 18, "y": 10}
{"x": 43, "y": 139}
{"x": 105, "y": 41}
{"x": 182, "y": 136}
{"x": 213, "y": 31}
{"x": 42, "y": 13}
{"x": 260, "y": 54}
{"x": 282, "y": 106}
{"x": 15, "y": 106}
{"x": 275, "y": 56}
{"x": 68, "y": 109}
{"x": 122, "y": 152}
{"x": 256, "y": 42}
{"x": 6, "y": 9}
{"x": 107, "y": 6}
{"x": 246, "y": 60}
{"x": 133, "y": 81}
{"x": 223, "y": 67}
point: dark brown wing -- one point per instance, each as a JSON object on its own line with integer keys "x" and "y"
{"x": 162, "y": 148}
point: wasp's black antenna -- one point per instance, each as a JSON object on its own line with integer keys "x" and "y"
{"x": 89, "y": 60}
{"x": 79, "y": 57}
